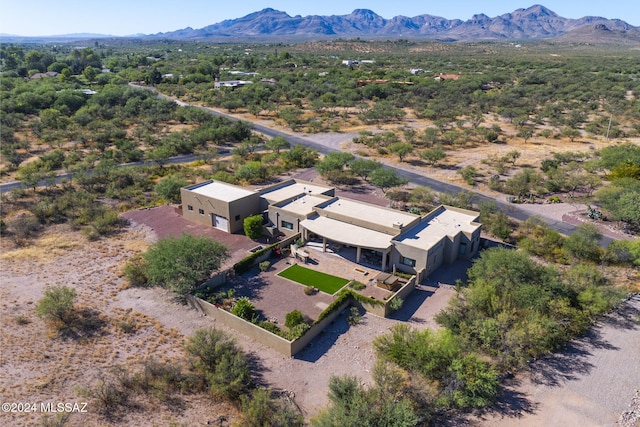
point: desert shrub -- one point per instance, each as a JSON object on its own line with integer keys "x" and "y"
{"x": 583, "y": 243}
{"x": 353, "y": 405}
{"x": 219, "y": 360}
{"x": 271, "y": 327}
{"x": 293, "y": 318}
{"x": 169, "y": 188}
{"x": 469, "y": 174}
{"x": 244, "y": 309}
{"x": 22, "y": 228}
{"x": 261, "y": 409}
{"x": 357, "y": 286}
{"x": 396, "y": 304}
{"x": 246, "y": 263}
{"x": 58, "y": 420}
{"x": 57, "y": 304}
{"x": 264, "y": 266}
{"x": 135, "y": 270}
{"x": 354, "y": 317}
{"x": 22, "y": 320}
{"x": 297, "y": 331}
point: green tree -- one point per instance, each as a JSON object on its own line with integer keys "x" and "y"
{"x": 525, "y": 133}
{"x": 433, "y": 155}
{"x": 57, "y": 304}
{"x": 253, "y": 226}
{"x": 364, "y": 167}
{"x": 277, "y": 143}
{"x": 169, "y": 188}
{"x": 300, "y": 157}
{"x": 583, "y": 243}
{"x": 401, "y": 149}
{"x": 386, "y": 178}
{"x": 182, "y": 263}
{"x": 90, "y": 73}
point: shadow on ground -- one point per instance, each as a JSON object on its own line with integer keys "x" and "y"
{"x": 325, "y": 340}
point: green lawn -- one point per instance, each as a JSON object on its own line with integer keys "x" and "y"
{"x": 325, "y": 282}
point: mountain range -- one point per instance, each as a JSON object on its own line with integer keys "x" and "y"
{"x": 535, "y": 22}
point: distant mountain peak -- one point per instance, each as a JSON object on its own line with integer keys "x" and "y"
{"x": 366, "y": 12}
{"x": 540, "y": 9}
{"x": 534, "y": 22}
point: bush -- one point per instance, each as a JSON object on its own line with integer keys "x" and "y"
{"x": 260, "y": 409}
{"x": 264, "y": 266}
{"x": 221, "y": 362}
{"x": 354, "y": 316}
{"x": 169, "y": 188}
{"x": 135, "y": 269}
{"x": 293, "y": 318}
{"x": 244, "y": 309}
{"x": 245, "y": 264}
{"x": 253, "y": 226}
{"x": 396, "y": 304}
{"x": 57, "y": 304}
{"x": 357, "y": 286}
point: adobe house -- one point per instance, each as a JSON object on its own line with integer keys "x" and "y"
{"x": 220, "y": 205}
{"x": 378, "y": 236}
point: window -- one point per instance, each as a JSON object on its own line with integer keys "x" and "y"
{"x": 463, "y": 248}
{"x": 286, "y": 224}
{"x": 408, "y": 261}
{"x": 237, "y": 217}
{"x": 189, "y": 207}
{"x": 201, "y": 211}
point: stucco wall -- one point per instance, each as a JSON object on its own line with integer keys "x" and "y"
{"x": 254, "y": 332}
{"x": 243, "y": 207}
{"x": 277, "y": 215}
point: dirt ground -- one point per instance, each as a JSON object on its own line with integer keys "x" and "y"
{"x": 37, "y": 366}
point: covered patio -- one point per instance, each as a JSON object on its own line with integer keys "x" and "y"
{"x": 358, "y": 244}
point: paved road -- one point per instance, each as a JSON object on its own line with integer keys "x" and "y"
{"x": 444, "y": 187}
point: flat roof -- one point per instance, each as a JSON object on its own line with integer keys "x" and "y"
{"x": 221, "y": 191}
{"x": 293, "y": 189}
{"x": 303, "y": 205}
{"x": 348, "y": 234}
{"x": 370, "y": 213}
{"x": 431, "y": 230}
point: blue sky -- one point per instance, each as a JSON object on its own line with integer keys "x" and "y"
{"x": 125, "y": 17}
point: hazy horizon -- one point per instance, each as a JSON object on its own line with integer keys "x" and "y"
{"x": 123, "y": 18}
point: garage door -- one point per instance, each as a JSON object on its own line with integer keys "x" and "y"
{"x": 221, "y": 223}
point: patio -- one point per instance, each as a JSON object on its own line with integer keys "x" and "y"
{"x": 342, "y": 264}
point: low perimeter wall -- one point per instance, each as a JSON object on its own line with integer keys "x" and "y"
{"x": 255, "y": 332}
{"x": 385, "y": 310}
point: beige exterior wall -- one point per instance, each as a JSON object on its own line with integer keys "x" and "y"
{"x": 278, "y": 215}
{"x": 235, "y": 211}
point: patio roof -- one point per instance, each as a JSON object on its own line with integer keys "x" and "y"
{"x": 347, "y": 234}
